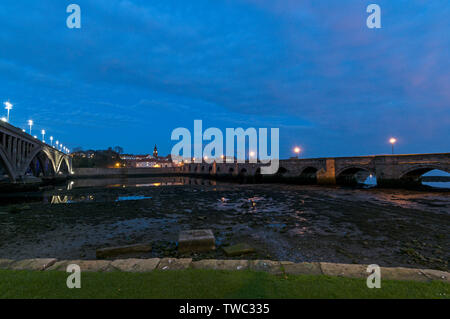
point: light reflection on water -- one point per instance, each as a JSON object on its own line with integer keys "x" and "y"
{"x": 122, "y": 198}
{"x": 56, "y": 195}
{"x": 437, "y": 184}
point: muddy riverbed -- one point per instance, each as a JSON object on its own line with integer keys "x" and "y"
{"x": 283, "y": 222}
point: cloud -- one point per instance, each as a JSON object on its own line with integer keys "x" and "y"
{"x": 305, "y": 66}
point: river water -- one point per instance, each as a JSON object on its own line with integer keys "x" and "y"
{"x": 283, "y": 222}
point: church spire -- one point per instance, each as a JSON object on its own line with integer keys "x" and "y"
{"x": 155, "y": 151}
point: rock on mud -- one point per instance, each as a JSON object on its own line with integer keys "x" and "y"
{"x": 196, "y": 240}
{"x": 237, "y": 250}
{"x": 121, "y": 250}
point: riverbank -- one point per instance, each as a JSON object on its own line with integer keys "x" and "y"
{"x": 394, "y": 228}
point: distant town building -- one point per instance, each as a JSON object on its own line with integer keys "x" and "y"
{"x": 147, "y": 160}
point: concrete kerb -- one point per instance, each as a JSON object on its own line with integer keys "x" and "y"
{"x": 270, "y": 266}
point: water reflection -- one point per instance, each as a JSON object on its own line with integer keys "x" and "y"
{"x": 137, "y": 182}
{"x": 122, "y": 198}
{"x": 51, "y": 196}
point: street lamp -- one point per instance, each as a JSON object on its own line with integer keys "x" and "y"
{"x": 297, "y": 150}
{"x": 392, "y": 141}
{"x": 8, "y": 107}
{"x": 43, "y": 135}
{"x": 30, "y": 123}
{"x": 252, "y": 154}
{"x": 4, "y": 119}
{"x": 57, "y": 143}
{"x": 51, "y": 141}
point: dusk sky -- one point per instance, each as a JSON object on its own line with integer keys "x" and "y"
{"x": 137, "y": 69}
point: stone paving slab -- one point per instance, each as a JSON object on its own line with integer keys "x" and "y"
{"x": 220, "y": 264}
{"x": 174, "y": 263}
{"x": 121, "y": 250}
{"x": 85, "y": 265}
{"x": 270, "y": 266}
{"x": 345, "y": 270}
{"x": 273, "y": 267}
{"x": 5, "y": 263}
{"x": 303, "y": 269}
{"x": 400, "y": 273}
{"x": 134, "y": 264}
{"x": 436, "y": 274}
{"x": 33, "y": 264}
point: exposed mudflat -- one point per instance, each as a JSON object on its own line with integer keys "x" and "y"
{"x": 284, "y": 222}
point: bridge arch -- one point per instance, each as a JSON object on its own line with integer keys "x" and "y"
{"x": 66, "y": 167}
{"x": 419, "y": 170}
{"x": 352, "y": 175}
{"x": 413, "y": 175}
{"x": 41, "y": 163}
{"x": 28, "y": 161}
{"x": 308, "y": 175}
{"x": 5, "y": 163}
{"x": 281, "y": 171}
{"x": 51, "y": 158}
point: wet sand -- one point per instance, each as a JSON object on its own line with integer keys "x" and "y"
{"x": 283, "y": 222}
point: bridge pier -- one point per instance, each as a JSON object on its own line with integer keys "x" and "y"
{"x": 327, "y": 176}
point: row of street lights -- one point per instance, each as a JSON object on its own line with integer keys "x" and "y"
{"x": 392, "y": 140}
{"x": 59, "y": 146}
{"x": 8, "y": 107}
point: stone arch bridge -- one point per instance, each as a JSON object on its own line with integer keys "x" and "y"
{"x": 21, "y": 154}
{"x": 388, "y": 169}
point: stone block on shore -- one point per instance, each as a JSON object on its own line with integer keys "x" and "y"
{"x": 198, "y": 240}
{"x": 237, "y": 250}
{"x": 121, "y": 250}
{"x": 33, "y": 264}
